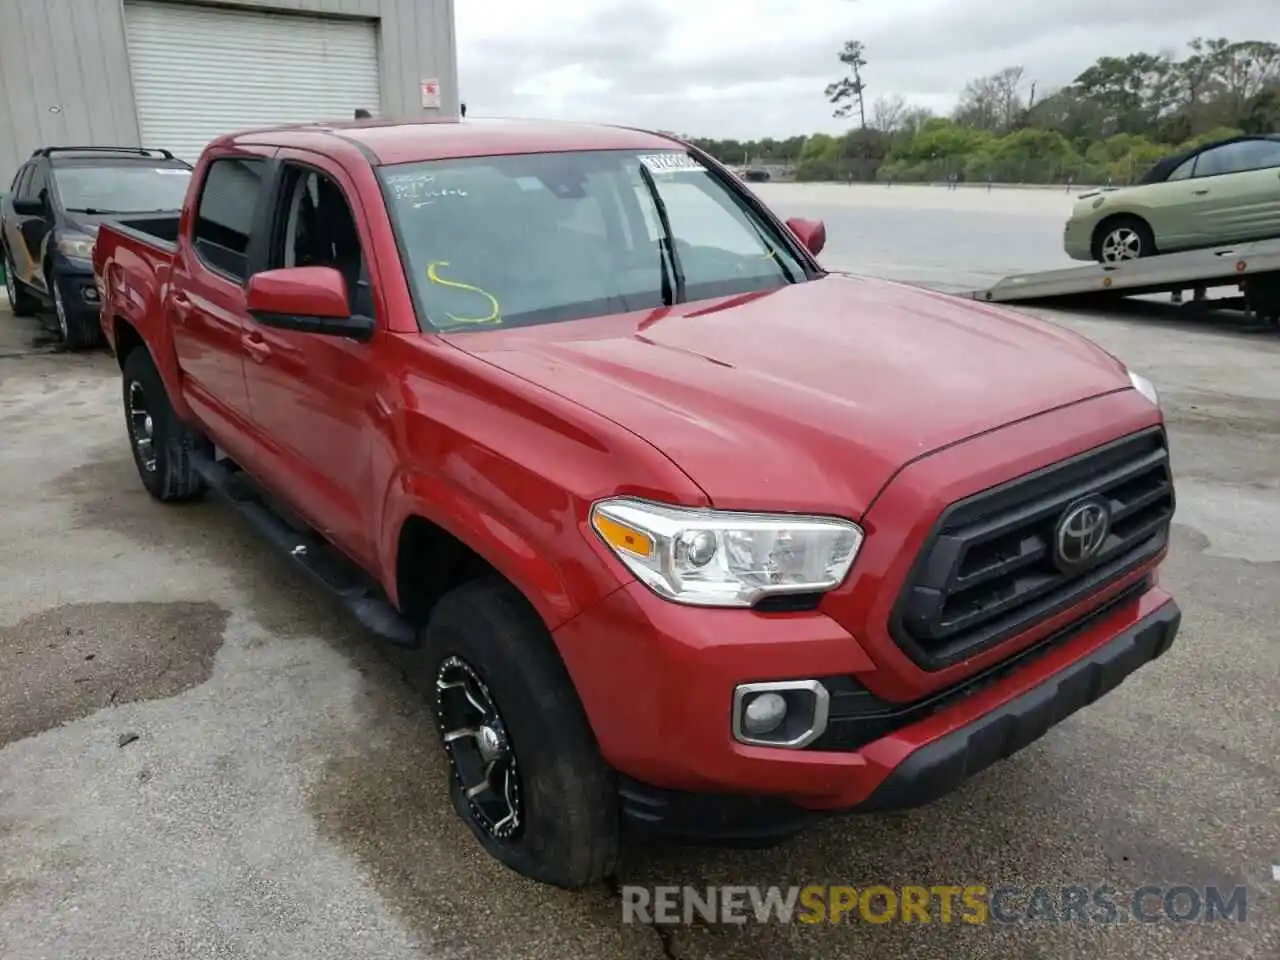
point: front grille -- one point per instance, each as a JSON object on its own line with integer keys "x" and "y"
{"x": 987, "y": 570}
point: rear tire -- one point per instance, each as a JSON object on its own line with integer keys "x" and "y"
{"x": 21, "y": 300}
{"x": 550, "y": 810}
{"x": 1123, "y": 238}
{"x": 162, "y": 445}
{"x": 81, "y": 329}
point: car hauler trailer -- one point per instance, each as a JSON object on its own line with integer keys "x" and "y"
{"x": 1253, "y": 268}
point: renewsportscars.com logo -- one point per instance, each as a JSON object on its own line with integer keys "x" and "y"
{"x": 973, "y": 904}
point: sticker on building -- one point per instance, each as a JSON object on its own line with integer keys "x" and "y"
{"x": 671, "y": 162}
{"x": 431, "y": 94}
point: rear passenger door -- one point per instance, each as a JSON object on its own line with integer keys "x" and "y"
{"x": 207, "y": 304}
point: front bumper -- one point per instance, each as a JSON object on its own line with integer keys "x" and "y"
{"x": 79, "y": 289}
{"x": 691, "y": 780}
{"x": 944, "y": 764}
{"x": 1077, "y": 239}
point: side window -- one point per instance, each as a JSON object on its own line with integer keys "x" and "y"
{"x": 224, "y": 214}
{"x": 37, "y": 183}
{"x": 1183, "y": 170}
{"x": 697, "y": 217}
{"x": 1257, "y": 155}
{"x": 319, "y": 230}
{"x": 15, "y": 188}
{"x": 1239, "y": 157}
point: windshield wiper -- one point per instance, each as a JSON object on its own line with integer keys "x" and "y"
{"x": 668, "y": 240}
{"x": 92, "y": 211}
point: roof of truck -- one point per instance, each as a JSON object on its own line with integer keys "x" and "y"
{"x": 386, "y": 142}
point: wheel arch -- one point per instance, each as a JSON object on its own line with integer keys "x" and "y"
{"x": 126, "y": 339}
{"x": 429, "y": 552}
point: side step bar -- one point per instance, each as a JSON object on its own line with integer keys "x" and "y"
{"x": 1218, "y": 266}
{"x": 362, "y": 598}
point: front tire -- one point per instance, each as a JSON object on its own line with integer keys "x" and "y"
{"x": 21, "y": 300}
{"x": 525, "y": 772}
{"x": 81, "y": 329}
{"x": 162, "y": 445}
{"x": 1122, "y": 239}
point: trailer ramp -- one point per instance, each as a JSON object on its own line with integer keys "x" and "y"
{"x": 1249, "y": 266}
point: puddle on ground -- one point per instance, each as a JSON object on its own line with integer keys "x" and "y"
{"x": 105, "y": 493}
{"x": 68, "y": 662}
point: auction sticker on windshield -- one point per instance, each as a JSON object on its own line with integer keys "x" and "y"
{"x": 671, "y": 162}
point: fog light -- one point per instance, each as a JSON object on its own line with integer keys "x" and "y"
{"x": 780, "y": 713}
{"x": 764, "y": 712}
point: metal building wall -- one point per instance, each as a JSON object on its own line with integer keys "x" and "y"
{"x": 64, "y": 67}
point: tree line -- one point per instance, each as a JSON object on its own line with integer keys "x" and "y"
{"x": 1110, "y": 124}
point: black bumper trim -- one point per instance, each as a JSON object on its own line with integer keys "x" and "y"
{"x": 941, "y": 766}
{"x": 927, "y": 774}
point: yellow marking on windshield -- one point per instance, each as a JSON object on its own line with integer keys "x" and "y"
{"x": 495, "y": 312}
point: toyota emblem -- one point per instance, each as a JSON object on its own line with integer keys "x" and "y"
{"x": 1081, "y": 532}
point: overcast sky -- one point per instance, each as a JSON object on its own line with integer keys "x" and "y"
{"x": 753, "y": 68}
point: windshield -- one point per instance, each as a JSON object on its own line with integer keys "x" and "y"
{"x": 121, "y": 188}
{"x": 540, "y": 238}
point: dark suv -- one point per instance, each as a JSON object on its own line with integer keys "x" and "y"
{"x": 50, "y": 218}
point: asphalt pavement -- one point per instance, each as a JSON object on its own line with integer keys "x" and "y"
{"x": 200, "y": 757}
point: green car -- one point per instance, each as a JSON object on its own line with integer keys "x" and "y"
{"x": 1223, "y": 192}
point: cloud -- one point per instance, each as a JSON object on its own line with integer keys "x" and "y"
{"x": 752, "y": 68}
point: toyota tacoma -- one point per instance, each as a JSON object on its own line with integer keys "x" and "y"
{"x": 695, "y": 538}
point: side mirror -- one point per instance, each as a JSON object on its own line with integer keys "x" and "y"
{"x": 306, "y": 299}
{"x": 812, "y": 233}
{"x": 28, "y": 208}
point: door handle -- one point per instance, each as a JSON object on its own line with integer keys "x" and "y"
{"x": 181, "y": 307}
{"x": 258, "y": 348}
{"x": 1201, "y": 193}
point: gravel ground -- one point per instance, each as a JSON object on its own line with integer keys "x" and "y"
{"x": 199, "y": 757}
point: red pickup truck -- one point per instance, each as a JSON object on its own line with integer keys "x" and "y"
{"x": 696, "y": 539}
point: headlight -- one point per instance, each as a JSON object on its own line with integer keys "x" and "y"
{"x": 1144, "y": 387}
{"x": 719, "y": 558}
{"x": 76, "y": 245}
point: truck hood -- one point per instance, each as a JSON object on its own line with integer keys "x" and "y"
{"x": 812, "y": 396}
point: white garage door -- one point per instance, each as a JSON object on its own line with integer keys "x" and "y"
{"x": 200, "y": 72}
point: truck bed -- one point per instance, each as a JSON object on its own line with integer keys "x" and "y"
{"x": 160, "y": 230}
{"x": 131, "y": 261}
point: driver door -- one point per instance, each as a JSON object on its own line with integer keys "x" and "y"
{"x": 1232, "y": 194}
{"x": 312, "y": 396}
{"x": 1246, "y": 204}
{"x": 31, "y": 230}
{"x": 14, "y": 242}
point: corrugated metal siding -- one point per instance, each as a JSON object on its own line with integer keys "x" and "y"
{"x": 72, "y": 55}
{"x": 243, "y": 69}
{"x": 83, "y": 94}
